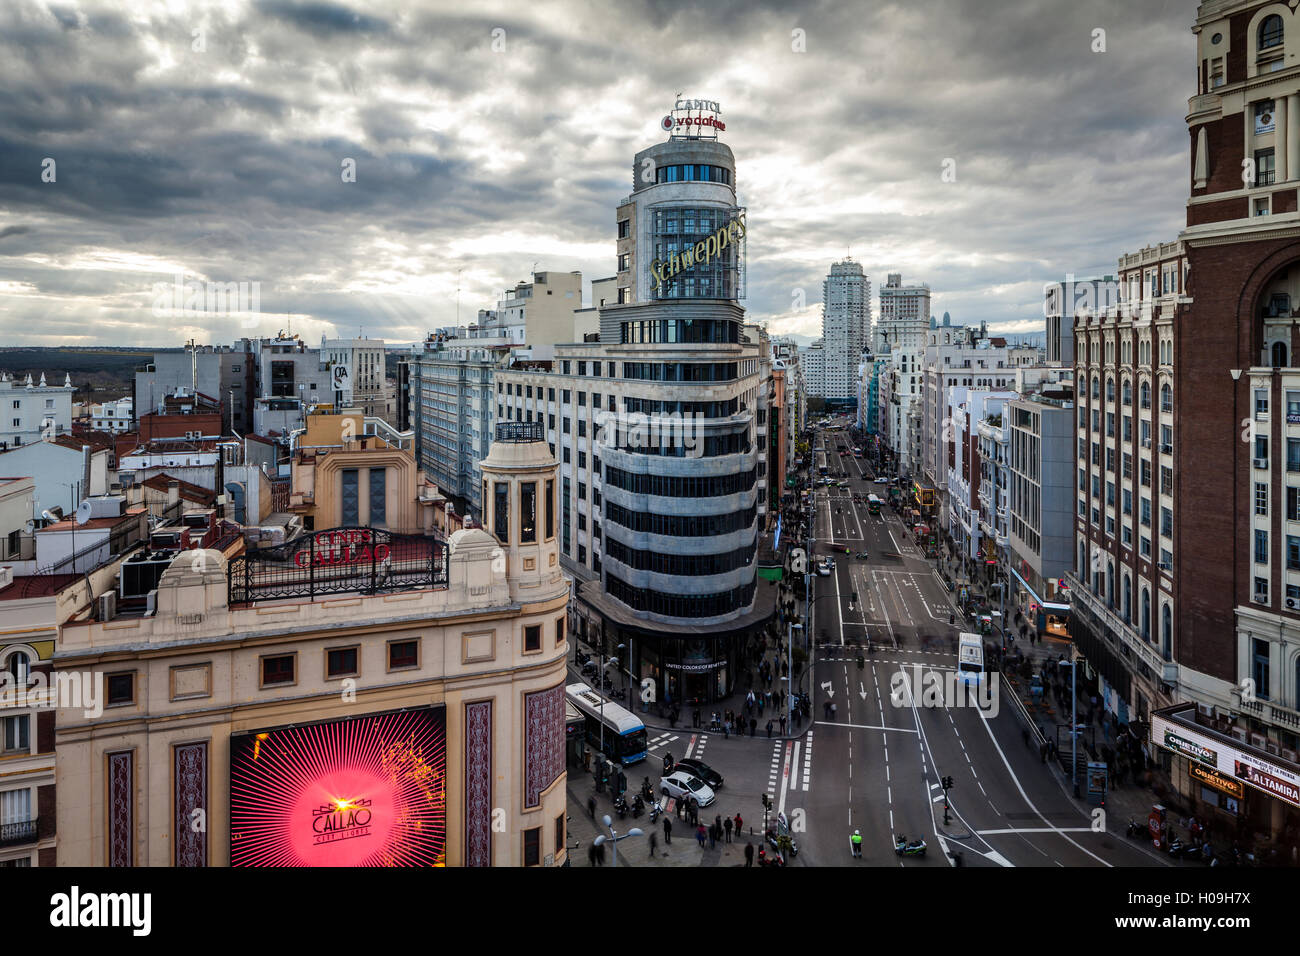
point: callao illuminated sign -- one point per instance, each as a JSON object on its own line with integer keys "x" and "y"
{"x": 342, "y": 547}
{"x": 699, "y": 254}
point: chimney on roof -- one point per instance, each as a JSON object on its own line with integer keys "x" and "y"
{"x": 173, "y": 492}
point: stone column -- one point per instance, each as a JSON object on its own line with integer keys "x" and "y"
{"x": 1293, "y": 137}
{"x": 1281, "y": 135}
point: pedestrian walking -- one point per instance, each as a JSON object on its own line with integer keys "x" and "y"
{"x": 769, "y": 729}
{"x": 749, "y": 854}
{"x": 591, "y": 855}
{"x": 833, "y": 710}
{"x": 600, "y": 855}
{"x": 783, "y": 725}
{"x": 668, "y": 831}
{"x": 713, "y": 836}
{"x": 753, "y": 727}
{"x": 696, "y": 716}
{"x": 677, "y": 806}
{"x": 591, "y": 806}
{"x": 700, "y": 836}
{"x": 654, "y": 843}
{"x": 726, "y": 827}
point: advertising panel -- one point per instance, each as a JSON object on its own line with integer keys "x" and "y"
{"x": 363, "y": 791}
{"x": 1229, "y": 761}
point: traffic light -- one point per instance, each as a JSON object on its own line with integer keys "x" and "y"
{"x": 947, "y": 783}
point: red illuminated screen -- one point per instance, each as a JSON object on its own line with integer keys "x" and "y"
{"x": 366, "y": 791}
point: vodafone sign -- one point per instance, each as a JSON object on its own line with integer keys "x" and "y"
{"x": 694, "y": 119}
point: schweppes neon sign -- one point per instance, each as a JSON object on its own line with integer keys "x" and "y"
{"x": 702, "y": 253}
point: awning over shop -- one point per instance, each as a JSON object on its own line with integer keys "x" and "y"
{"x": 1045, "y": 605}
{"x": 770, "y": 574}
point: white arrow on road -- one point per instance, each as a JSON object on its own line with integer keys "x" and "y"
{"x": 862, "y": 692}
{"x": 826, "y": 686}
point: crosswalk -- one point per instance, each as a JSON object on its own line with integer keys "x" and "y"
{"x": 785, "y": 774}
{"x": 662, "y": 740}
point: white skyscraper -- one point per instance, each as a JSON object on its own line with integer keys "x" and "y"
{"x": 846, "y": 327}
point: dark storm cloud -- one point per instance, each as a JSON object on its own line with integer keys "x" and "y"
{"x": 210, "y": 140}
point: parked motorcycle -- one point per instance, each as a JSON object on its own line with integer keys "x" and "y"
{"x": 620, "y": 807}
{"x": 638, "y": 805}
{"x": 904, "y": 847}
{"x": 1136, "y": 830}
{"x": 655, "y": 810}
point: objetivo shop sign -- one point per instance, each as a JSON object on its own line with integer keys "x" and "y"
{"x": 702, "y": 253}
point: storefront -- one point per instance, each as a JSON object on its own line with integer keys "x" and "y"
{"x": 1252, "y": 795}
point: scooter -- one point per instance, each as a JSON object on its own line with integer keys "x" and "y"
{"x": 1135, "y": 830}
{"x": 620, "y": 807}
{"x": 863, "y": 555}
{"x": 646, "y": 790}
{"x": 1177, "y": 847}
{"x": 915, "y": 848}
{"x": 655, "y": 810}
{"x": 638, "y": 805}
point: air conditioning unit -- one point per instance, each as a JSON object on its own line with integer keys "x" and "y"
{"x": 1261, "y": 463}
{"x": 108, "y": 606}
{"x": 151, "y": 603}
{"x": 1164, "y": 566}
{"x": 1166, "y": 449}
{"x": 1146, "y": 443}
{"x": 1291, "y": 603}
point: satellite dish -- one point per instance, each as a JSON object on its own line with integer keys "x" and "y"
{"x": 83, "y": 512}
{"x": 49, "y": 517}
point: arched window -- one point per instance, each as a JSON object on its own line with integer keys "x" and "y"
{"x": 19, "y": 668}
{"x": 1270, "y": 32}
{"x": 1144, "y": 395}
{"x": 1110, "y": 390}
{"x": 1127, "y": 392}
{"x": 1279, "y": 355}
{"x": 1096, "y": 387}
{"x": 1146, "y": 614}
{"x": 1128, "y": 599}
{"x": 1110, "y": 583}
{"x": 1166, "y": 398}
{"x": 1167, "y": 633}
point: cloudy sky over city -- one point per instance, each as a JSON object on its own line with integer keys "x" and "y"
{"x": 490, "y": 139}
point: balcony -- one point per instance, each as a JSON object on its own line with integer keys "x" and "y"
{"x": 1117, "y": 631}
{"x": 17, "y": 834}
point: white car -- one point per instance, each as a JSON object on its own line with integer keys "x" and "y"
{"x": 824, "y": 569}
{"x": 681, "y": 785}
{"x": 882, "y": 481}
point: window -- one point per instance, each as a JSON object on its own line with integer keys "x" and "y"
{"x": 550, "y": 510}
{"x": 19, "y": 668}
{"x": 501, "y": 511}
{"x": 1292, "y": 503}
{"x": 1167, "y": 522}
{"x": 1144, "y": 395}
{"x": 623, "y": 226}
{"x": 1261, "y": 403}
{"x": 1261, "y": 449}
{"x": 528, "y": 511}
{"x": 566, "y": 454}
{"x": 1259, "y": 667}
{"x": 1270, "y": 32}
{"x": 402, "y": 654}
{"x": 559, "y": 631}
{"x": 17, "y": 736}
{"x": 1261, "y": 591}
{"x": 1264, "y": 167}
{"x": 1146, "y": 512}
{"x": 559, "y": 834}
{"x": 378, "y": 497}
{"x": 121, "y": 688}
{"x": 533, "y": 638}
{"x": 340, "y": 661}
{"x": 1293, "y": 454}
{"x": 1261, "y": 498}
{"x": 1292, "y": 553}
{"x": 349, "y": 501}
{"x": 1261, "y": 546}
{"x": 533, "y": 838}
{"x": 278, "y": 669}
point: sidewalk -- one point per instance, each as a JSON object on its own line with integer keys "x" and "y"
{"x": 684, "y": 850}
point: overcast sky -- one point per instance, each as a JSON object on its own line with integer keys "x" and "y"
{"x": 491, "y": 136}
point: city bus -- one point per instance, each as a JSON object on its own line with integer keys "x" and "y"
{"x": 970, "y": 659}
{"x": 873, "y": 504}
{"x": 624, "y": 733}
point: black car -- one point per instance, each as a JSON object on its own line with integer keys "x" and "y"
{"x": 702, "y": 770}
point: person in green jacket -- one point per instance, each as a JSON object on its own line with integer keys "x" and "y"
{"x": 856, "y": 840}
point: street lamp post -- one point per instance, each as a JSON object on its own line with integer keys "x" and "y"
{"x": 614, "y": 838}
{"x": 1074, "y": 723}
